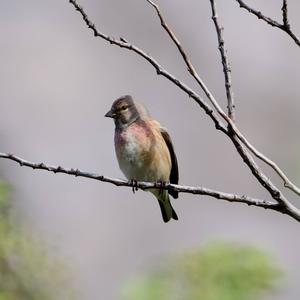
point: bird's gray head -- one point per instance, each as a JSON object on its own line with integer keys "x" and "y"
{"x": 125, "y": 111}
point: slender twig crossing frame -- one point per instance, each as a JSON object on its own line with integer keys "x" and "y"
{"x": 148, "y": 185}
{"x": 225, "y": 62}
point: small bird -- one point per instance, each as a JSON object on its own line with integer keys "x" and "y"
{"x": 144, "y": 150}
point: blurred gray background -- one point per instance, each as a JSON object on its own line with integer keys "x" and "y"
{"x": 57, "y": 82}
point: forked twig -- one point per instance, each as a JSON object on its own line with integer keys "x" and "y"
{"x": 284, "y": 27}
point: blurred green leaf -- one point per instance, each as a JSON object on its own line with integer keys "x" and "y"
{"x": 26, "y": 270}
{"x": 218, "y": 272}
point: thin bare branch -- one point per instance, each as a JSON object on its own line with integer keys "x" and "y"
{"x": 284, "y": 27}
{"x": 265, "y": 182}
{"x": 258, "y": 14}
{"x": 188, "y": 62}
{"x": 147, "y": 185}
{"x": 225, "y": 62}
{"x": 262, "y": 178}
{"x": 185, "y": 57}
{"x": 173, "y": 37}
{"x": 123, "y": 43}
{"x": 286, "y": 23}
{"x": 285, "y": 18}
{"x": 287, "y": 183}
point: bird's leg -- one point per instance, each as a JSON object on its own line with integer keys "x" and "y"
{"x": 133, "y": 183}
{"x": 161, "y": 184}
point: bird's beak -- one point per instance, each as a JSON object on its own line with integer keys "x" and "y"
{"x": 110, "y": 114}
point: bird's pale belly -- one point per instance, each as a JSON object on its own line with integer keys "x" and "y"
{"x": 132, "y": 161}
{"x": 139, "y": 158}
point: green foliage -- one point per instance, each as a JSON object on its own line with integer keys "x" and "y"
{"x": 218, "y": 272}
{"x": 26, "y": 271}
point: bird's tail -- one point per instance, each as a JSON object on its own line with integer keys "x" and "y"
{"x": 166, "y": 208}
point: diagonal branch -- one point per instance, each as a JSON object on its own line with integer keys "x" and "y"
{"x": 225, "y": 62}
{"x": 284, "y": 27}
{"x": 287, "y": 183}
{"x": 188, "y": 62}
{"x": 192, "y": 69}
{"x": 265, "y": 182}
{"x": 173, "y": 37}
{"x": 123, "y": 43}
{"x": 258, "y": 14}
{"x": 147, "y": 185}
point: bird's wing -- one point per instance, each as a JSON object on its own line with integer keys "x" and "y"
{"x": 174, "y": 176}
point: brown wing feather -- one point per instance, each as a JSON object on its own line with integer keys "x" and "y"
{"x": 174, "y": 176}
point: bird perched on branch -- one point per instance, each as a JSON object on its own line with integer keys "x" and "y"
{"x": 144, "y": 150}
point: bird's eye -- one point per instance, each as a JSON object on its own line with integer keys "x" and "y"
{"x": 124, "y": 107}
